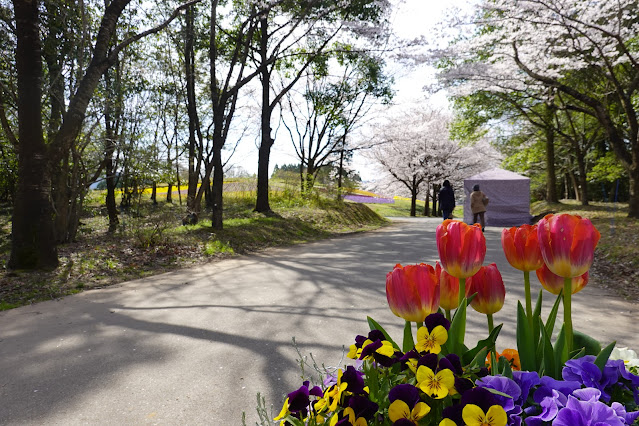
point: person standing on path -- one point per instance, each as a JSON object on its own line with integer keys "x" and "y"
{"x": 447, "y": 200}
{"x": 478, "y": 203}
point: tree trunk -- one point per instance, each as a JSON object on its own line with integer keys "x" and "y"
{"x": 217, "y": 190}
{"x": 575, "y": 187}
{"x": 309, "y": 180}
{"x": 583, "y": 179}
{"x": 33, "y": 243}
{"x": 426, "y": 205}
{"x": 154, "y": 193}
{"x": 633, "y": 202}
{"x": 551, "y": 177}
{"x": 434, "y": 196}
{"x": 340, "y": 171}
{"x": 189, "y": 65}
{"x": 109, "y": 149}
{"x": 169, "y": 193}
{"x": 413, "y": 201}
{"x": 61, "y": 194}
{"x": 264, "y": 153}
{"x": 208, "y": 193}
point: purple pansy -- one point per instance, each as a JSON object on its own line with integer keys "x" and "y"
{"x": 620, "y": 410}
{"x": 404, "y": 392}
{"x": 371, "y": 350}
{"x": 550, "y": 406}
{"x": 433, "y": 320}
{"x": 299, "y": 400}
{"x": 451, "y": 362}
{"x": 508, "y": 387}
{"x": 548, "y": 384}
{"x": 526, "y": 380}
{"x": 429, "y": 360}
{"x": 582, "y": 370}
{"x": 362, "y": 406}
{"x": 354, "y": 379}
{"x": 586, "y": 413}
{"x": 503, "y": 385}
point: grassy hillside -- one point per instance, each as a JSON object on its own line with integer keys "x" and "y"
{"x": 152, "y": 240}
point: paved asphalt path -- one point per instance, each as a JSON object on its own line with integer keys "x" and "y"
{"x": 193, "y": 347}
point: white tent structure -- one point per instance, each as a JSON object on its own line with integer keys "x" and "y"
{"x": 509, "y": 195}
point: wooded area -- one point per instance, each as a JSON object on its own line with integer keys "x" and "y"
{"x": 101, "y": 92}
{"x": 136, "y": 94}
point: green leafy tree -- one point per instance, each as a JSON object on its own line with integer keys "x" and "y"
{"x": 33, "y": 231}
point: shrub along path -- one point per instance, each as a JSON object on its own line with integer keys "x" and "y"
{"x": 195, "y": 346}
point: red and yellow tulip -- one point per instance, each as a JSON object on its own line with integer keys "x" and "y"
{"x": 521, "y": 247}
{"x": 412, "y": 291}
{"x": 448, "y": 291}
{"x": 554, "y": 283}
{"x": 490, "y": 289}
{"x": 567, "y": 243}
{"x": 461, "y": 248}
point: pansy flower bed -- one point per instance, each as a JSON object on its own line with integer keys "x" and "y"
{"x": 434, "y": 378}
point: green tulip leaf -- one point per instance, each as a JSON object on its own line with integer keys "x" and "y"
{"x": 374, "y": 325}
{"x": 578, "y": 353}
{"x": 550, "y": 367}
{"x": 538, "y": 303}
{"x": 503, "y": 367}
{"x": 489, "y": 342}
{"x": 457, "y": 329}
{"x": 590, "y": 345}
{"x": 552, "y": 316}
{"x": 604, "y": 355}
{"x": 525, "y": 344}
{"x": 561, "y": 355}
{"x": 409, "y": 342}
{"x": 479, "y": 360}
{"x": 537, "y": 314}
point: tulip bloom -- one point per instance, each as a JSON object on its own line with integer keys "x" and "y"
{"x": 567, "y": 244}
{"x": 521, "y": 247}
{"x": 412, "y": 291}
{"x": 448, "y": 291}
{"x": 490, "y": 289}
{"x": 554, "y": 283}
{"x": 461, "y": 248}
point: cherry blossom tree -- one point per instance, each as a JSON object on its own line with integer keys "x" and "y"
{"x": 580, "y": 49}
{"x": 418, "y": 151}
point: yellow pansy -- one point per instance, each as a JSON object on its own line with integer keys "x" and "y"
{"x": 473, "y": 415}
{"x": 431, "y": 341}
{"x": 436, "y": 385}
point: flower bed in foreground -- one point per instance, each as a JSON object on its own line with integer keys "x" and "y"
{"x": 434, "y": 378}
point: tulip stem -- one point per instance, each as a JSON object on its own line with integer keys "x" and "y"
{"x": 490, "y": 323}
{"x": 567, "y": 316}
{"x": 462, "y": 291}
{"x": 528, "y": 299}
{"x": 447, "y": 311}
{"x": 490, "y": 328}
